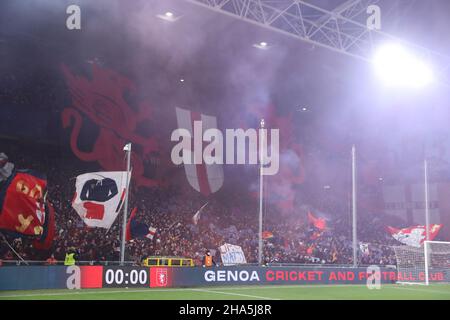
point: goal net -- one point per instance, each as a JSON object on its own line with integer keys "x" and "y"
{"x": 427, "y": 264}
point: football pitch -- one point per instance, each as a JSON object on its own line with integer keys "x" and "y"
{"x": 301, "y": 292}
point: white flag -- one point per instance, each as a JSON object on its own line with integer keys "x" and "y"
{"x": 364, "y": 247}
{"x": 414, "y": 236}
{"x": 196, "y": 216}
{"x": 99, "y": 196}
{"x": 151, "y": 233}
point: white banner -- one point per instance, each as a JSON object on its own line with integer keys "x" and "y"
{"x": 231, "y": 254}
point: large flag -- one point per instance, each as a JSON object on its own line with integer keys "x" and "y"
{"x": 24, "y": 208}
{"x": 136, "y": 229}
{"x": 414, "y": 236}
{"x": 318, "y": 223}
{"x": 22, "y": 203}
{"x": 99, "y": 196}
{"x": 205, "y": 178}
{"x": 197, "y": 215}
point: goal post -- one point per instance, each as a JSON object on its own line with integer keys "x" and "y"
{"x": 425, "y": 264}
{"x": 437, "y": 261}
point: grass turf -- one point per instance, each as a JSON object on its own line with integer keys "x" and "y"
{"x": 342, "y": 292}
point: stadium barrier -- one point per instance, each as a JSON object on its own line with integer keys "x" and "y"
{"x": 79, "y": 277}
{"x": 168, "y": 261}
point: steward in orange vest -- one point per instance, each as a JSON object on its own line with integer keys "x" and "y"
{"x": 208, "y": 260}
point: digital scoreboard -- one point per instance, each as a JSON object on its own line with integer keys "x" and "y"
{"x": 114, "y": 277}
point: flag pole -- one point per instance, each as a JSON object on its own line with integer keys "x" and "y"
{"x": 427, "y": 211}
{"x": 127, "y": 149}
{"x": 261, "y": 167}
{"x": 355, "y": 237}
{"x": 12, "y": 249}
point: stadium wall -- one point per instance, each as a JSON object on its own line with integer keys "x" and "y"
{"x": 80, "y": 277}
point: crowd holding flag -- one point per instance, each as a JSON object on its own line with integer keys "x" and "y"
{"x": 151, "y": 233}
{"x": 197, "y": 215}
{"x": 318, "y": 226}
{"x": 99, "y": 196}
{"x": 414, "y": 236}
{"x": 318, "y": 223}
{"x": 364, "y": 247}
{"x": 267, "y": 235}
{"x": 98, "y": 199}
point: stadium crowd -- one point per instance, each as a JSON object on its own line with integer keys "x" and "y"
{"x": 170, "y": 211}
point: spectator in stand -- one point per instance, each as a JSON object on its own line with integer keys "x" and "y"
{"x": 170, "y": 211}
{"x": 51, "y": 261}
{"x": 71, "y": 257}
{"x": 208, "y": 260}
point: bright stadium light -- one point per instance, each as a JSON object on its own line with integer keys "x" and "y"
{"x": 168, "y": 16}
{"x": 261, "y": 45}
{"x": 303, "y": 109}
{"x": 397, "y": 67}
